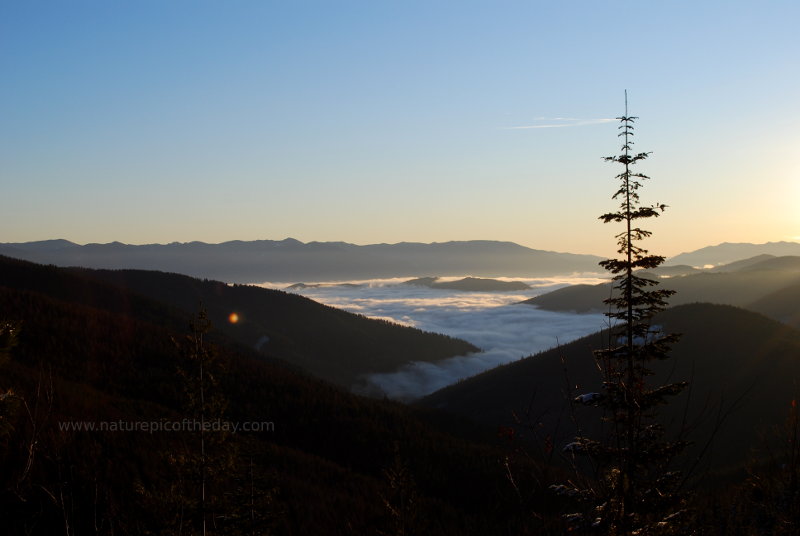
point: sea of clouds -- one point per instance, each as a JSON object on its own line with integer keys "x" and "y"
{"x": 496, "y": 322}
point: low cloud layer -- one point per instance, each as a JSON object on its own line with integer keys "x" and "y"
{"x": 493, "y": 321}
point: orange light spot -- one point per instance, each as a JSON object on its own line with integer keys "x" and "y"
{"x": 233, "y": 318}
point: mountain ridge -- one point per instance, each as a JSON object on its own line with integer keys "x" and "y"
{"x": 290, "y": 260}
{"x": 728, "y": 252}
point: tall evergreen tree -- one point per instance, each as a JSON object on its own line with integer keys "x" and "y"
{"x": 635, "y": 492}
{"x": 8, "y": 339}
{"x": 209, "y": 458}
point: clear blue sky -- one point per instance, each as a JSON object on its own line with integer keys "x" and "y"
{"x": 385, "y": 121}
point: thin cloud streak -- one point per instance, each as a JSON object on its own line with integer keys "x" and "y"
{"x": 566, "y": 122}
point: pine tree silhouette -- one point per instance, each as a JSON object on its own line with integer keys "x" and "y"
{"x": 210, "y": 457}
{"x": 8, "y": 402}
{"x": 634, "y": 491}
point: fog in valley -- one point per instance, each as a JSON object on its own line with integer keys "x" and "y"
{"x": 494, "y": 321}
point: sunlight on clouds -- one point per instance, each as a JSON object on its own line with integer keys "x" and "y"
{"x": 404, "y": 321}
{"x": 493, "y": 321}
{"x": 349, "y": 282}
{"x": 383, "y": 298}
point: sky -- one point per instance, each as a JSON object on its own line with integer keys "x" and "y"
{"x": 154, "y": 121}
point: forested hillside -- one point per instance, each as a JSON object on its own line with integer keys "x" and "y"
{"x": 323, "y": 462}
{"x": 741, "y": 283}
{"x": 742, "y": 368}
{"x": 329, "y": 343}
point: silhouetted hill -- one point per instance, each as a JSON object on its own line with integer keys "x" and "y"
{"x": 85, "y": 356}
{"x": 290, "y": 260}
{"x": 43, "y": 245}
{"x": 729, "y": 252}
{"x": 469, "y": 284}
{"x": 787, "y": 263}
{"x": 741, "y": 264}
{"x": 782, "y": 305}
{"x": 330, "y": 343}
{"x": 300, "y": 286}
{"x": 674, "y": 270}
{"x": 575, "y": 298}
{"x": 745, "y": 283}
{"x": 731, "y": 356}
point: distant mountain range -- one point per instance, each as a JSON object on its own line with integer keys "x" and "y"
{"x": 728, "y": 252}
{"x": 292, "y": 261}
